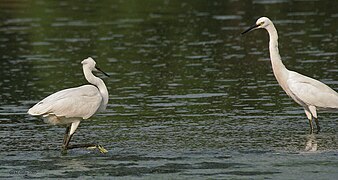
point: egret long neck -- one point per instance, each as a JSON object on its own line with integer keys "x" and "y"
{"x": 99, "y": 84}
{"x": 278, "y": 67}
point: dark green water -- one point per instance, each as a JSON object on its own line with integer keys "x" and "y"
{"x": 189, "y": 96}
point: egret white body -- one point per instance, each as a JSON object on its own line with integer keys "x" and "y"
{"x": 307, "y": 92}
{"x": 71, "y": 106}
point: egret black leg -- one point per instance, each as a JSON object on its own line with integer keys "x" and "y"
{"x": 311, "y": 126}
{"x": 317, "y": 124}
{"x": 66, "y": 134}
{"x": 66, "y": 138}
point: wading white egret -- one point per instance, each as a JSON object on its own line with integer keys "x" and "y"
{"x": 70, "y": 106}
{"x": 307, "y": 92}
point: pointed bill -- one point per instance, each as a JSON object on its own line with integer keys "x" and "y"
{"x": 250, "y": 28}
{"x": 101, "y": 71}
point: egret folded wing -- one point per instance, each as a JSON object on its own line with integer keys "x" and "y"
{"x": 82, "y": 102}
{"x": 313, "y": 92}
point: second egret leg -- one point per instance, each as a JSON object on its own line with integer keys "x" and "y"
{"x": 311, "y": 125}
{"x": 313, "y": 111}
{"x": 317, "y": 124}
{"x": 309, "y": 117}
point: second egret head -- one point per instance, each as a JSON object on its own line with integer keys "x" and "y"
{"x": 262, "y": 22}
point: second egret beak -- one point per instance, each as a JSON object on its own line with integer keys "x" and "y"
{"x": 250, "y": 29}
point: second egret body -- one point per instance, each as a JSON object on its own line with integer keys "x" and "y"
{"x": 307, "y": 92}
{"x": 70, "y": 106}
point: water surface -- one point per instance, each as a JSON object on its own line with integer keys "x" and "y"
{"x": 189, "y": 97}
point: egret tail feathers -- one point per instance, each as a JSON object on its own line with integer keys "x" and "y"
{"x": 36, "y": 110}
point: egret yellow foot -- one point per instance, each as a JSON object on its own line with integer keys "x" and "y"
{"x": 99, "y": 147}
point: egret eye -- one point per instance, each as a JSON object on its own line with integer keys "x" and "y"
{"x": 261, "y": 23}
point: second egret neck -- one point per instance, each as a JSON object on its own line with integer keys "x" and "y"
{"x": 279, "y": 70}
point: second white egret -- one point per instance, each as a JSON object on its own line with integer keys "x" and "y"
{"x": 307, "y": 92}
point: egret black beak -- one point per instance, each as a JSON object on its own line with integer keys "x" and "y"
{"x": 102, "y": 71}
{"x": 250, "y": 29}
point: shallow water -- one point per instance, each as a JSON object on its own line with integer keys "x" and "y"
{"x": 189, "y": 97}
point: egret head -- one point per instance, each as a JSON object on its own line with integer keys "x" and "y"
{"x": 91, "y": 65}
{"x": 262, "y": 22}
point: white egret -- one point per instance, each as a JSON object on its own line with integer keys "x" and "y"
{"x": 307, "y": 92}
{"x": 70, "y": 106}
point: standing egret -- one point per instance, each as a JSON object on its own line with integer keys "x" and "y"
{"x": 307, "y": 92}
{"x": 70, "y": 106}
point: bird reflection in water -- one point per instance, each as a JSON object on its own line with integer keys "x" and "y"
{"x": 311, "y": 143}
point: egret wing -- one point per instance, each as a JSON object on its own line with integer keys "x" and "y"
{"x": 82, "y": 102}
{"x": 312, "y": 92}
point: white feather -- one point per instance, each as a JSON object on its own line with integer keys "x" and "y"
{"x": 80, "y": 102}
{"x": 312, "y": 92}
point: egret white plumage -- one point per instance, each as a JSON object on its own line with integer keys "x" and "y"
{"x": 70, "y": 106}
{"x": 307, "y": 92}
